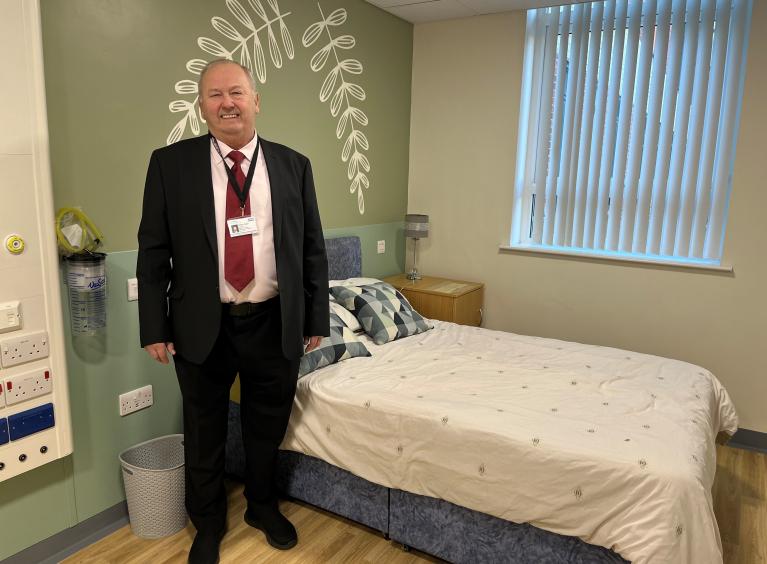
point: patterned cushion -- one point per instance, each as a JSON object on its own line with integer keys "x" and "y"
{"x": 340, "y": 345}
{"x": 384, "y": 313}
{"x": 346, "y": 316}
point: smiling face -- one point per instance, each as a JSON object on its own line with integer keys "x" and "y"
{"x": 229, "y": 104}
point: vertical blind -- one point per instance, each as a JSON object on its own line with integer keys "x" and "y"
{"x": 628, "y": 126}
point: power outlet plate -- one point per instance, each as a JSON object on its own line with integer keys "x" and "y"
{"x": 29, "y": 385}
{"x": 23, "y": 349}
{"x": 137, "y": 399}
{"x": 381, "y": 246}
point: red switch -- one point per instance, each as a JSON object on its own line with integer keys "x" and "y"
{"x": 9, "y": 385}
{"x": 47, "y": 374}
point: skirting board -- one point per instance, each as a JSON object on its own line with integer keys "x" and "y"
{"x": 749, "y": 440}
{"x": 54, "y": 549}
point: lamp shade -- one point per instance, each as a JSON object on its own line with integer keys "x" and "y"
{"x": 416, "y": 225}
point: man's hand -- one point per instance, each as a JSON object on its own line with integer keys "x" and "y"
{"x": 157, "y": 351}
{"x": 311, "y": 343}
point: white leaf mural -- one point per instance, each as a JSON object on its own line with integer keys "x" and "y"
{"x": 253, "y": 33}
{"x": 342, "y": 95}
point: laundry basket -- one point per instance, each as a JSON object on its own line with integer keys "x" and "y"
{"x": 153, "y": 474}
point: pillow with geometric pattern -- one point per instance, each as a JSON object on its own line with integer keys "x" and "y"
{"x": 382, "y": 311}
{"x": 340, "y": 345}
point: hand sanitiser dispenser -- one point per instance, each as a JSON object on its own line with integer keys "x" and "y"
{"x": 34, "y": 402}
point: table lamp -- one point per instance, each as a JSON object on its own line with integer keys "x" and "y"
{"x": 417, "y": 227}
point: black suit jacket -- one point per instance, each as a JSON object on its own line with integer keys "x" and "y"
{"x": 177, "y": 266}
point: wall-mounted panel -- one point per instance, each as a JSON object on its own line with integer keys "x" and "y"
{"x": 16, "y": 107}
{"x": 35, "y": 412}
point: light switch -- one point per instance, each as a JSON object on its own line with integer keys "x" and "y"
{"x": 381, "y": 247}
{"x": 10, "y": 316}
{"x": 132, "y": 289}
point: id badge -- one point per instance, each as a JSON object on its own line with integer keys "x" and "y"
{"x": 239, "y": 226}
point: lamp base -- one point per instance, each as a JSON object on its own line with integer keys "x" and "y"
{"x": 413, "y": 275}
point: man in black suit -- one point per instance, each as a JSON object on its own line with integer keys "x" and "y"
{"x": 233, "y": 278}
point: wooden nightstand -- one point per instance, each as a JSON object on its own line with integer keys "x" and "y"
{"x": 442, "y": 298}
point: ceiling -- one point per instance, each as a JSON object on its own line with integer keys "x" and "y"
{"x": 421, "y": 11}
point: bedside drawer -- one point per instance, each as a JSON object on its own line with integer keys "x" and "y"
{"x": 468, "y": 308}
{"x": 465, "y": 309}
{"x": 443, "y": 298}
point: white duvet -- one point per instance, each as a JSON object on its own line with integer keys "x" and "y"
{"x": 611, "y": 446}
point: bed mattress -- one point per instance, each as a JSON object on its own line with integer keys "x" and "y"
{"x": 611, "y": 446}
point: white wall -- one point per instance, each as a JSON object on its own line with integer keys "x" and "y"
{"x": 464, "y": 116}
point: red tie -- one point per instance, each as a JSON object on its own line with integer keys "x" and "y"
{"x": 238, "y": 255}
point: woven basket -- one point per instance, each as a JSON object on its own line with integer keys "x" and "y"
{"x": 153, "y": 474}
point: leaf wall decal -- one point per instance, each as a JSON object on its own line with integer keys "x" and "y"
{"x": 186, "y": 87}
{"x": 336, "y": 17}
{"x": 258, "y": 8}
{"x": 195, "y": 66}
{"x": 213, "y": 47}
{"x": 340, "y": 106}
{"x": 239, "y": 12}
{"x": 225, "y": 28}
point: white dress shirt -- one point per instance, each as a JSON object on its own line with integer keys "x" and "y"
{"x": 264, "y": 284}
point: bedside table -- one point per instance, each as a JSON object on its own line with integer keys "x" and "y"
{"x": 443, "y": 298}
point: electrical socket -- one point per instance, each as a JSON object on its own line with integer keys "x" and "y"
{"x": 140, "y": 398}
{"x": 23, "y": 349}
{"x": 28, "y": 385}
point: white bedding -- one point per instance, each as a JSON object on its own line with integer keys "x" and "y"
{"x": 611, "y": 446}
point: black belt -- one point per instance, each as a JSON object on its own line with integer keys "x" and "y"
{"x": 249, "y": 308}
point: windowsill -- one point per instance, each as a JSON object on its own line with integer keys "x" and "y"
{"x": 618, "y": 257}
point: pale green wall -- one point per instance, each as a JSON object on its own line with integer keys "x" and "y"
{"x": 706, "y": 318}
{"x": 111, "y": 66}
{"x": 100, "y": 369}
{"x": 43, "y": 497}
{"x": 110, "y": 69}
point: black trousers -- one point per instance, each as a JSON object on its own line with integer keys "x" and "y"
{"x": 251, "y": 346}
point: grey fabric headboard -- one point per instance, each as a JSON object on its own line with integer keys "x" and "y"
{"x": 344, "y": 257}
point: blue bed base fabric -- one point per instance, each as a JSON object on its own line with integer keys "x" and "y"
{"x": 461, "y": 535}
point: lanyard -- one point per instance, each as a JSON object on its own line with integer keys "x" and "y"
{"x": 242, "y": 193}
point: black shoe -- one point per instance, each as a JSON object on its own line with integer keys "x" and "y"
{"x": 280, "y": 533}
{"x": 205, "y": 548}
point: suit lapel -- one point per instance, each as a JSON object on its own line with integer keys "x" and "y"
{"x": 201, "y": 176}
{"x": 273, "y": 169}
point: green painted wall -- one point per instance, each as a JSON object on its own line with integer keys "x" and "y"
{"x": 111, "y": 67}
{"x": 43, "y": 497}
{"x": 100, "y": 369}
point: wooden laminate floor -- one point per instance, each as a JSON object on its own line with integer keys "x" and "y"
{"x": 740, "y": 502}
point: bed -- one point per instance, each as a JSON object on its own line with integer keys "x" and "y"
{"x": 485, "y": 446}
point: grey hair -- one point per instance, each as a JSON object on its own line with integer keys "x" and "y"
{"x": 217, "y": 62}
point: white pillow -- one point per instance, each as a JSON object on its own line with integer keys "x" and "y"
{"x": 345, "y": 315}
{"x": 353, "y": 282}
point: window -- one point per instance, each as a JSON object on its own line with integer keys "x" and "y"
{"x": 628, "y": 123}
